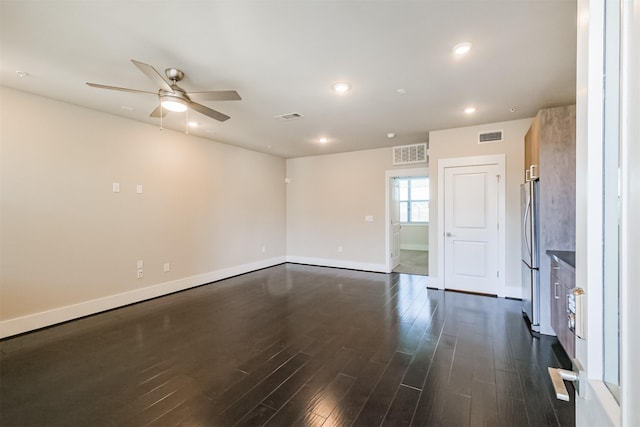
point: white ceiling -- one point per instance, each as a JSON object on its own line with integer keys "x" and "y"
{"x": 284, "y": 56}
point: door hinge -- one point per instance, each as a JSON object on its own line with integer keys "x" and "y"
{"x": 498, "y": 274}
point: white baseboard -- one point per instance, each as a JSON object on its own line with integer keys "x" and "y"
{"x": 414, "y": 247}
{"x": 324, "y": 262}
{"x": 434, "y": 282}
{"x": 510, "y": 292}
{"x": 42, "y": 319}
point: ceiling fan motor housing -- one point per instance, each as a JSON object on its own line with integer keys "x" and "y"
{"x": 174, "y": 74}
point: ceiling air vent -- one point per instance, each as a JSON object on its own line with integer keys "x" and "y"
{"x": 289, "y": 116}
{"x": 489, "y": 137}
{"x": 406, "y": 154}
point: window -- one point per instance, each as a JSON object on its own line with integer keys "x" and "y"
{"x": 414, "y": 200}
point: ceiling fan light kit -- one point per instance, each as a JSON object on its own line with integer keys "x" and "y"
{"x": 173, "y": 103}
{"x": 172, "y": 97}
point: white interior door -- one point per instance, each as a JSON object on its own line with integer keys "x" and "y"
{"x": 471, "y": 228}
{"x": 395, "y": 223}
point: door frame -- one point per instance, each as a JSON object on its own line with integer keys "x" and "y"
{"x": 598, "y": 407}
{"x": 388, "y": 177}
{"x": 499, "y": 161}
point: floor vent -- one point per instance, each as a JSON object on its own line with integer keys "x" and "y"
{"x": 407, "y": 154}
{"x": 489, "y": 137}
{"x": 289, "y": 116}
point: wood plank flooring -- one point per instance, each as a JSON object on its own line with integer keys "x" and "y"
{"x": 290, "y": 345}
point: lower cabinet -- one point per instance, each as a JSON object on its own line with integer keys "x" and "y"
{"x": 562, "y": 282}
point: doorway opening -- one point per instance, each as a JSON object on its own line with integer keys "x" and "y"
{"x": 408, "y": 221}
{"x": 414, "y": 225}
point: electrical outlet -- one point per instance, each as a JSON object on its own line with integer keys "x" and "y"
{"x": 264, "y": 249}
{"x": 167, "y": 267}
{"x": 339, "y": 248}
{"x": 140, "y": 273}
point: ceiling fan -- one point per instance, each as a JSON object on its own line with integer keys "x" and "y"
{"x": 173, "y": 98}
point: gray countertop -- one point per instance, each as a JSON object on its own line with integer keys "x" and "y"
{"x": 568, "y": 257}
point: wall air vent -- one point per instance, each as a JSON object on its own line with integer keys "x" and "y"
{"x": 489, "y": 137}
{"x": 289, "y": 116}
{"x": 407, "y": 154}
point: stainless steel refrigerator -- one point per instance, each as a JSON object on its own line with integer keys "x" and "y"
{"x": 530, "y": 254}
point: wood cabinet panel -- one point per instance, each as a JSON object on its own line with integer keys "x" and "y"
{"x": 562, "y": 282}
{"x": 532, "y": 146}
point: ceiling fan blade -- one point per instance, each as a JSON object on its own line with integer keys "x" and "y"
{"x": 208, "y": 112}
{"x": 158, "y": 112}
{"x": 123, "y": 89}
{"x": 215, "y": 95}
{"x": 155, "y": 76}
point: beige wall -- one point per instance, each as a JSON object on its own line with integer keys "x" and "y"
{"x": 327, "y": 201}
{"x": 66, "y": 238}
{"x": 462, "y": 142}
{"x": 414, "y": 237}
{"x": 69, "y": 245}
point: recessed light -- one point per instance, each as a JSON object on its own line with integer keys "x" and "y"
{"x": 462, "y": 48}
{"x": 194, "y": 124}
{"x": 401, "y": 91}
{"x": 323, "y": 140}
{"x": 341, "y": 87}
{"x": 391, "y": 135}
{"x": 470, "y": 110}
{"x": 22, "y": 73}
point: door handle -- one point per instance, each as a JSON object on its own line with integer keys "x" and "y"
{"x": 447, "y": 234}
{"x": 558, "y": 377}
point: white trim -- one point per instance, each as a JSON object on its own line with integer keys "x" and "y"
{"x": 43, "y": 319}
{"x": 604, "y": 414}
{"x": 499, "y": 161}
{"x": 630, "y": 209}
{"x": 337, "y": 263}
{"x": 388, "y": 174}
{"x": 434, "y": 282}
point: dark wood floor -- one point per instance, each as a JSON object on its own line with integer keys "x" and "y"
{"x": 290, "y": 345}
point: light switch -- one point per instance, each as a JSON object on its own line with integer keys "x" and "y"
{"x": 139, "y": 188}
{"x": 368, "y": 218}
{"x": 116, "y": 187}
{"x": 140, "y": 264}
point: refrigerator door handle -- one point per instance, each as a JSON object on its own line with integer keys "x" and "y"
{"x": 524, "y": 229}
